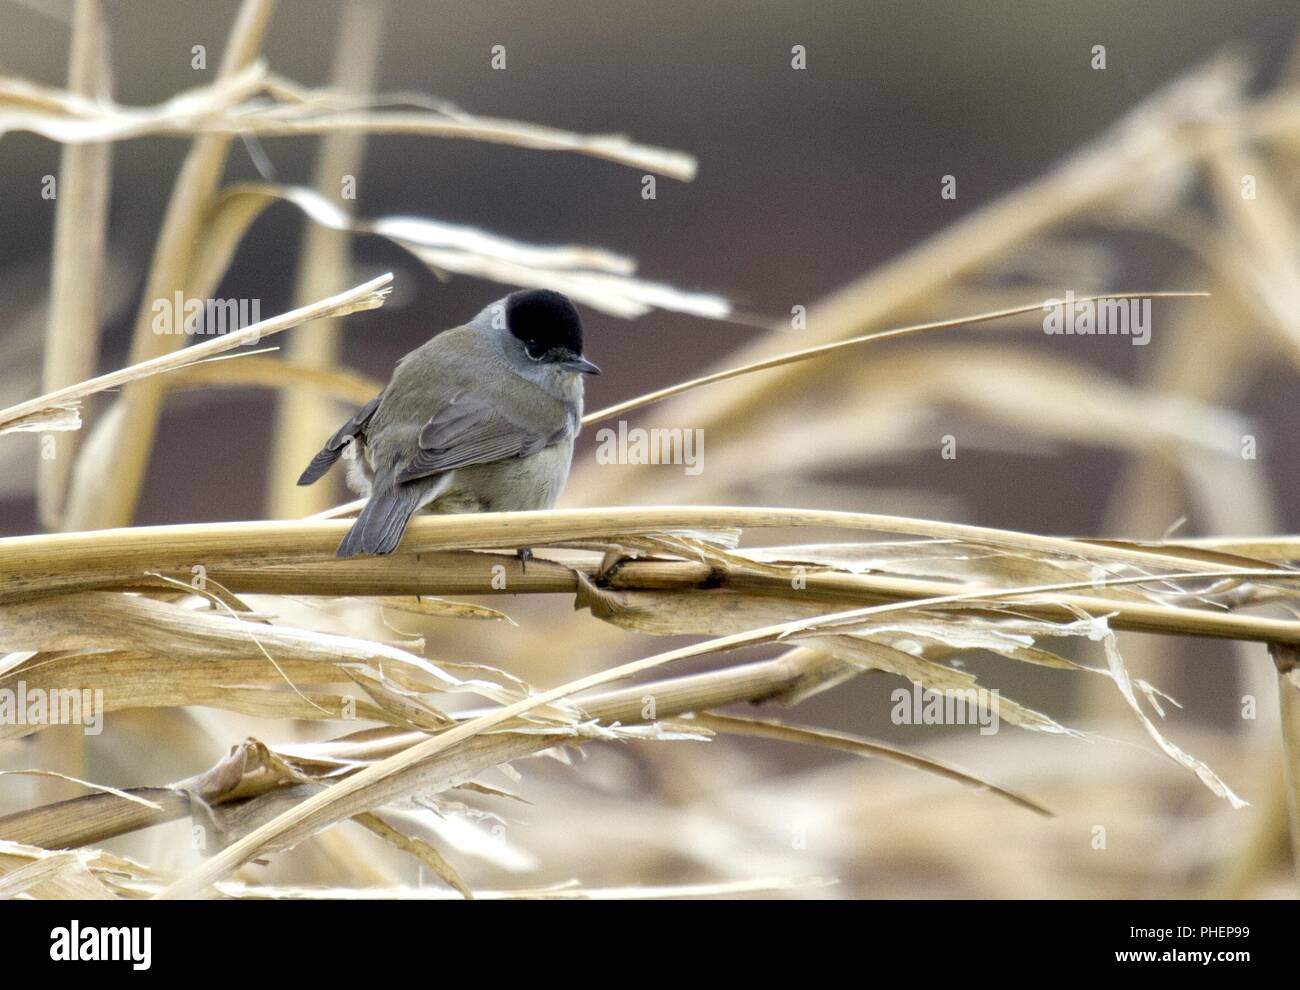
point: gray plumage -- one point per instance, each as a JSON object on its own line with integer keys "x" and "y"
{"x": 482, "y": 418}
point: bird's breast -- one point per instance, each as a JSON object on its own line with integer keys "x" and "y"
{"x": 516, "y": 484}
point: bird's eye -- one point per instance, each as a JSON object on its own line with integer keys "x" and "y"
{"x": 534, "y": 349}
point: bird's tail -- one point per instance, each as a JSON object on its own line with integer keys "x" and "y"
{"x": 382, "y": 522}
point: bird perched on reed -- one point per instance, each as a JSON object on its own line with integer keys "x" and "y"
{"x": 482, "y": 418}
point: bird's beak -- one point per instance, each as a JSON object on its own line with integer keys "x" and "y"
{"x": 580, "y": 365}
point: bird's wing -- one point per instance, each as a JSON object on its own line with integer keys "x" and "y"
{"x": 468, "y": 430}
{"x": 334, "y": 445}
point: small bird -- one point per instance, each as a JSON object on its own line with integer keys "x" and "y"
{"x": 482, "y": 418}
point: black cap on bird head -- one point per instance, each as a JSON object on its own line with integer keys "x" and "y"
{"x": 548, "y": 326}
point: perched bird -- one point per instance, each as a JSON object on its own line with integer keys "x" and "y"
{"x": 482, "y": 418}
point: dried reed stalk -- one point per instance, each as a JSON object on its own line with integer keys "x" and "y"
{"x": 1287, "y": 658}
{"x": 80, "y": 222}
{"x": 324, "y": 262}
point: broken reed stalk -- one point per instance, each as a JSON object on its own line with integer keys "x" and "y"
{"x": 368, "y": 295}
{"x": 1287, "y": 658}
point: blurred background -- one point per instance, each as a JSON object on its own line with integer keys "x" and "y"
{"x": 808, "y": 180}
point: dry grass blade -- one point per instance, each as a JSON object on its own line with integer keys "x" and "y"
{"x": 593, "y": 276}
{"x": 100, "y": 621}
{"x": 418, "y": 848}
{"x": 89, "y": 785}
{"x": 770, "y": 729}
{"x": 937, "y": 678}
{"x": 1207, "y": 776}
{"x": 235, "y": 106}
{"x": 32, "y": 872}
{"x": 807, "y": 353}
